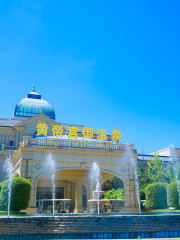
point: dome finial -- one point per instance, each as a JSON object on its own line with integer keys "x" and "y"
{"x": 33, "y": 89}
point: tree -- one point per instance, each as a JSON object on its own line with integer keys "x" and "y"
{"x": 114, "y": 194}
{"x": 155, "y": 171}
{"x": 112, "y": 182}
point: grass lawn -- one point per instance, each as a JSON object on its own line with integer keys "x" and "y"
{"x": 12, "y": 212}
{"x": 162, "y": 210}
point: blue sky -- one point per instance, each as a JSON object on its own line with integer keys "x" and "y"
{"x": 105, "y": 64}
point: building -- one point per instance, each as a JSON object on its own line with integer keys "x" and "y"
{"x": 32, "y": 131}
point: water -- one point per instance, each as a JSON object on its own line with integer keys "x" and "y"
{"x": 95, "y": 182}
{"x": 8, "y": 171}
{"x": 176, "y": 165}
{"x": 98, "y": 187}
{"x": 128, "y": 154}
{"x": 49, "y": 165}
{"x": 94, "y": 178}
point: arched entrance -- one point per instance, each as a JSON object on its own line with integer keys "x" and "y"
{"x": 114, "y": 191}
{"x": 69, "y": 184}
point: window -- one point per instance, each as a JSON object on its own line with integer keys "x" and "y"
{"x": 84, "y": 201}
{"x": 11, "y": 144}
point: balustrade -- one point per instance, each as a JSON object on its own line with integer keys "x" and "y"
{"x": 69, "y": 144}
{"x": 41, "y": 142}
{"x": 7, "y": 147}
{"x": 81, "y": 144}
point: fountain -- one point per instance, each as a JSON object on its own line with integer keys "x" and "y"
{"x": 94, "y": 181}
{"x": 49, "y": 165}
{"x": 98, "y": 202}
{"x": 8, "y": 171}
{"x": 94, "y": 177}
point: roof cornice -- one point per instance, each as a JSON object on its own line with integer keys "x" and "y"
{"x": 32, "y": 119}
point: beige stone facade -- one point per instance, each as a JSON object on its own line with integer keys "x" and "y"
{"x": 74, "y": 160}
{"x": 72, "y": 166}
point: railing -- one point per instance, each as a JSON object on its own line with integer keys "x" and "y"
{"x": 77, "y": 144}
{"x": 41, "y": 142}
{"x": 81, "y": 144}
{"x": 58, "y": 143}
{"x": 114, "y": 146}
{"x": 6, "y": 147}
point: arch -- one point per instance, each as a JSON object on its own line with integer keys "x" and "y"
{"x": 77, "y": 175}
{"x": 86, "y": 169}
{"x": 113, "y": 174}
{"x": 80, "y": 179}
{"x": 64, "y": 178}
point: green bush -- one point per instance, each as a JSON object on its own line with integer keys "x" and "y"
{"x": 1, "y": 186}
{"x": 114, "y": 194}
{"x": 172, "y": 195}
{"x": 12, "y": 213}
{"x": 156, "y": 195}
{"x": 20, "y": 194}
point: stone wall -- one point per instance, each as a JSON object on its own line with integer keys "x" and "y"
{"x": 90, "y": 227}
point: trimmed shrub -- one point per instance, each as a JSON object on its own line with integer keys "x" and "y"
{"x": 12, "y": 213}
{"x": 172, "y": 195}
{"x": 20, "y": 194}
{"x": 156, "y": 195}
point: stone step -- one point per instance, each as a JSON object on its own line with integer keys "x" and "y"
{"x": 88, "y": 224}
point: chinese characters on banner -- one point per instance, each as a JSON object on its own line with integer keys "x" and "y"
{"x": 87, "y": 132}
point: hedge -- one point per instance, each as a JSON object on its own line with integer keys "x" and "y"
{"x": 172, "y": 195}
{"x": 20, "y": 194}
{"x": 12, "y": 213}
{"x": 156, "y": 195}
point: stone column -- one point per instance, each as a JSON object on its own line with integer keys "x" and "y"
{"x": 78, "y": 199}
{"x": 29, "y": 174}
{"x": 132, "y": 192}
{"x": 2, "y": 146}
{"x": 56, "y": 142}
{"x": 89, "y": 196}
{"x": 26, "y": 141}
{"x": 32, "y": 202}
{"x": 24, "y": 168}
{"x": 106, "y": 145}
{"x": 17, "y": 140}
{"x": 127, "y": 195}
{"x": 20, "y": 137}
{"x": 68, "y": 190}
{"x": 130, "y": 195}
{"x": 3, "y": 139}
{"x": 65, "y": 191}
{"x": 72, "y": 195}
{"x": 7, "y": 140}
